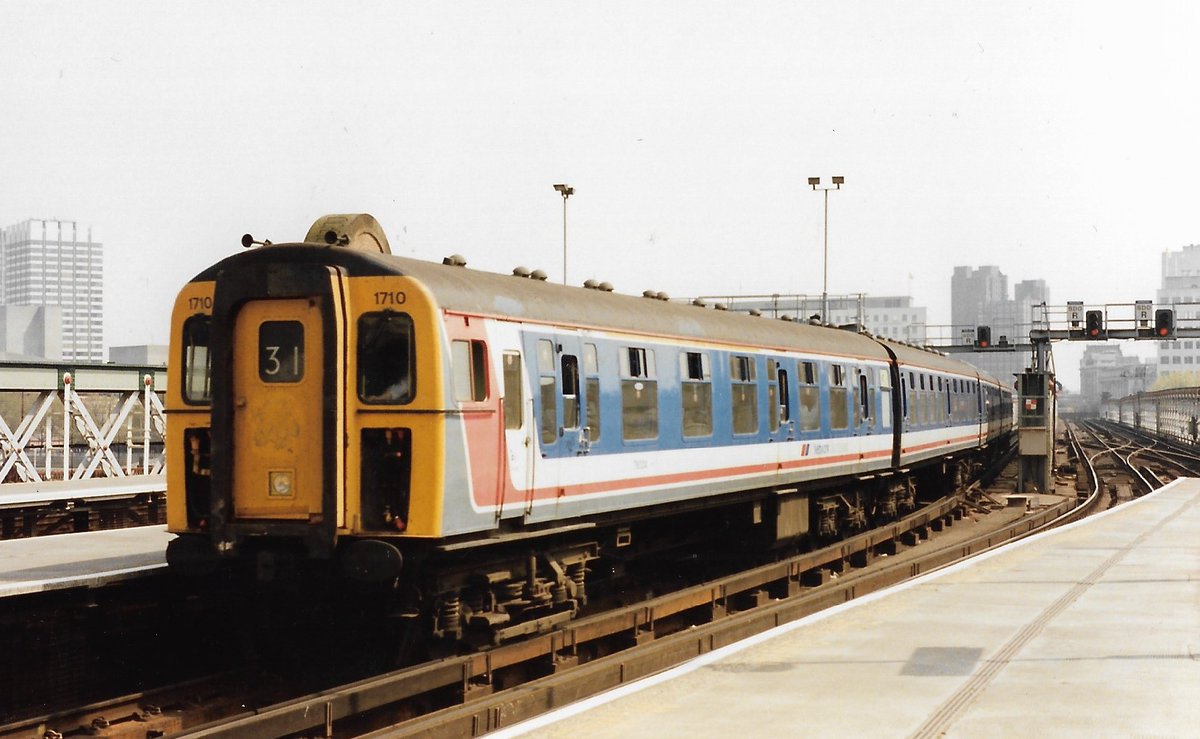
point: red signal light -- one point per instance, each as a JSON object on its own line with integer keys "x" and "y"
{"x": 983, "y": 337}
{"x": 1164, "y": 321}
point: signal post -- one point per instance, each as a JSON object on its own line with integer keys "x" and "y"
{"x": 1036, "y": 387}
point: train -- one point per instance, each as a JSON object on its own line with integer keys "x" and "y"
{"x": 480, "y": 445}
{"x": 1173, "y": 414}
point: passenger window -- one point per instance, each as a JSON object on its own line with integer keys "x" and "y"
{"x": 741, "y": 369}
{"x": 197, "y": 360}
{"x": 640, "y": 362}
{"x": 545, "y": 355}
{"x": 591, "y": 363}
{"x": 696, "y": 391}
{"x": 810, "y": 398}
{"x": 639, "y": 396}
{"x": 839, "y": 415}
{"x": 694, "y": 366}
{"x": 743, "y": 395}
{"x": 513, "y": 401}
{"x": 470, "y": 370}
{"x": 385, "y": 354}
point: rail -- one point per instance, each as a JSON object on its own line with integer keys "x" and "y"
{"x": 728, "y": 609}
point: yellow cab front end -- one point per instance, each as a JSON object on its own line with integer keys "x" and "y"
{"x": 302, "y": 412}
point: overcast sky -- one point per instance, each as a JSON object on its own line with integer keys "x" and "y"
{"x": 1056, "y": 140}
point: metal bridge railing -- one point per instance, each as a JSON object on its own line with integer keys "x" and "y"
{"x": 49, "y": 427}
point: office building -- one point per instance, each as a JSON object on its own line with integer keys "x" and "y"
{"x": 979, "y": 297}
{"x": 1106, "y": 373}
{"x": 1181, "y": 290}
{"x": 49, "y": 262}
{"x": 892, "y": 317}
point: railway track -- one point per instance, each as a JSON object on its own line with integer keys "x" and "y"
{"x": 474, "y": 693}
{"x": 468, "y": 695}
{"x": 1131, "y": 463}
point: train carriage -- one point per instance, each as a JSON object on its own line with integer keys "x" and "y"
{"x": 340, "y": 403}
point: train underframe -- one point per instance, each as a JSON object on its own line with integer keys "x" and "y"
{"x": 471, "y": 593}
{"x": 502, "y": 591}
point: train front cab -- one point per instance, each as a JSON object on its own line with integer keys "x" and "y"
{"x": 305, "y": 405}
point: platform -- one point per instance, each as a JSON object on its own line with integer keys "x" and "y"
{"x": 86, "y": 559}
{"x": 17, "y": 494}
{"x": 1089, "y": 630}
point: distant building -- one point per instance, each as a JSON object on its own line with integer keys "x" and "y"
{"x": 892, "y": 317}
{"x": 31, "y": 332}
{"x": 1105, "y": 372}
{"x": 979, "y": 297}
{"x": 48, "y": 262}
{"x": 1181, "y": 289}
{"x": 147, "y": 354}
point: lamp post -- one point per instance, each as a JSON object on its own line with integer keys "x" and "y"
{"x": 566, "y": 191}
{"x": 815, "y": 182}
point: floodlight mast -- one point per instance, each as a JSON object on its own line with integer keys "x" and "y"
{"x": 566, "y": 191}
{"x": 815, "y": 183}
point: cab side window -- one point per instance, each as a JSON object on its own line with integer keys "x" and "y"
{"x": 386, "y": 358}
{"x": 197, "y": 360}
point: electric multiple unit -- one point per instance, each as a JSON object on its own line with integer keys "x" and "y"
{"x": 489, "y": 435}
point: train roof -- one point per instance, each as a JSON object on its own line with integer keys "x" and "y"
{"x": 459, "y": 289}
{"x": 909, "y": 354}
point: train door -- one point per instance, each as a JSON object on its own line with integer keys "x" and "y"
{"x": 560, "y": 409}
{"x": 278, "y": 369}
{"x": 781, "y": 426}
{"x": 476, "y": 395}
{"x": 864, "y": 401}
{"x": 517, "y": 426}
{"x": 573, "y": 423}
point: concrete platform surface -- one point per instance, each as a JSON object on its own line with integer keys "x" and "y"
{"x": 1089, "y": 630}
{"x": 84, "y": 559}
